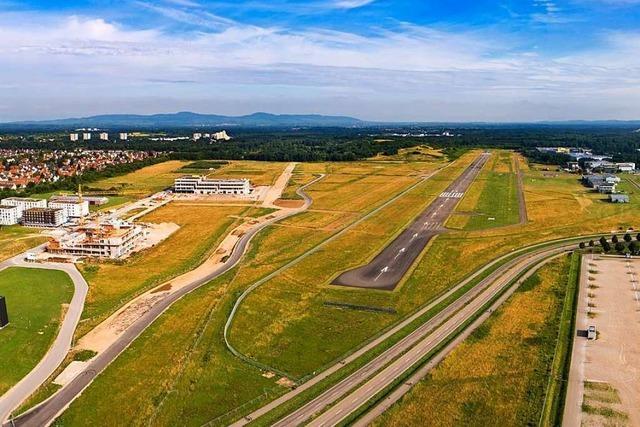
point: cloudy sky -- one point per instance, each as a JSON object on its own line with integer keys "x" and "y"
{"x": 426, "y": 60}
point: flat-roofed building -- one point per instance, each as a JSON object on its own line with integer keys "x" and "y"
{"x": 23, "y": 203}
{"x": 123, "y": 136}
{"x": 196, "y": 184}
{"x": 113, "y": 239}
{"x": 86, "y": 136}
{"x": 626, "y": 167}
{"x": 73, "y": 137}
{"x": 104, "y": 136}
{"x": 43, "y": 217}
{"x": 93, "y": 200}
{"x": 618, "y": 198}
{"x": 73, "y": 209}
{"x": 8, "y": 215}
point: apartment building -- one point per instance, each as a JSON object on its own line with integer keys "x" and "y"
{"x": 73, "y": 137}
{"x": 104, "y": 136}
{"x": 23, "y": 203}
{"x": 8, "y": 215}
{"x": 43, "y": 217}
{"x": 72, "y": 209}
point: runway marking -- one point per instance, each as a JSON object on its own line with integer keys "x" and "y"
{"x": 401, "y": 251}
{"x": 452, "y": 194}
{"x": 384, "y": 270}
{"x": 414, "y": 236}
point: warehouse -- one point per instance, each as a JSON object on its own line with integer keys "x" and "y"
{"x": 194, "y": 184}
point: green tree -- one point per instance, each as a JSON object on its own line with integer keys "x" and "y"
{"x": 620, "y": 247}
{"x": 614, "y": 239}
{"x": 634, "y": 247}
{"x": 627, "y": 238}
{"x": 591, "y": 243}
{"x": 582, "y": 245}
{"x": 606, "y": 247}
{"x": 603, "y": 240}
{"x": 638, "y": 237}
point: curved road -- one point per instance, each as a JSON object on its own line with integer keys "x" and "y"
{"x": 62, "y": 343}
{"x": 48, "y": 410}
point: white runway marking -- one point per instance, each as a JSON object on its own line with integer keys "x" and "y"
{"x": 384, "y": 270}
{"x": 400, "y": 252}
{"x": 452, "y": 194}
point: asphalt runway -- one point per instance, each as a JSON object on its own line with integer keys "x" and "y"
{"x": 389, "y": 267}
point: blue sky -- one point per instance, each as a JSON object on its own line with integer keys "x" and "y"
{"x": 463, "y": 60}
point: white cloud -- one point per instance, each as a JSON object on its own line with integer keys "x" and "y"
{"x": 48, "y": 65}
{"x": 351, "y": 4}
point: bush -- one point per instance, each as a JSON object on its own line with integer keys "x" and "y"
{"x": 620, "y": 247}
{"x": 627, "y": 238}
{"x": 614, "y": 239}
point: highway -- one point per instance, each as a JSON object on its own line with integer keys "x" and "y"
{"x": 408, "y": 351}
{"x": 388, "y": 268}
{"x": 47, "y": 411}
{"x": 62, "y": 343}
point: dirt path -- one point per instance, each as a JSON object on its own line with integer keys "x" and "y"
{"x": 521, "y": 201}
{"x": 275, "y": 191}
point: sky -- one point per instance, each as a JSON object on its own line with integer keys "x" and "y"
{"x": 385, "y": 60}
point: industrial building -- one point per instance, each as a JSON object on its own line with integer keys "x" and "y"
{"x": 72, "y": 209}
{"x": 8, "y": 215}
{"x": 195, "y": 184}
{"x": 605, "y": 184}
{"x": 92, "y": 200}
{"x": 44, "y": 217}
{"x": 618, "y": 198}
{"x": 23, "y": 203}
{"x": 113, "y": 240}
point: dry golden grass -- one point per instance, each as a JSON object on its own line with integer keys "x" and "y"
{"x": 144, "y": 181}
{"x": 113, "y": 283}
{"x": 497, "y": 376}
{"x": 259, "y": 173}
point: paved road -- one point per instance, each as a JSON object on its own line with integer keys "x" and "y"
{"x": 46, "y": 412}
{"x": 61, "y": 345}
{"x": 522, "y": 204}
{"x": 389, "y": 267}
{"x": 404, "y": 354}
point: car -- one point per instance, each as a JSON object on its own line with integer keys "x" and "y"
{"x": 591, "y": 333}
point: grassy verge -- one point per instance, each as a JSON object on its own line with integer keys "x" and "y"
{"x": 557, "y": 388}
{"x": 499, "y": 374}
{"x": 34, "y": 300}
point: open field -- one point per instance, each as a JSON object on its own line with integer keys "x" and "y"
{"x": 143, "y": 182}
{"x": 35, "y": 301}
{"x": 499, "y": 375}
{"x": 113, "y": 283}
{"x": 260, "y": 173}
{"x": 285, "y": 322}
{"x": 15, "y": 239}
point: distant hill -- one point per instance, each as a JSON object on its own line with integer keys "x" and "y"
{"x": 188, "y": 119}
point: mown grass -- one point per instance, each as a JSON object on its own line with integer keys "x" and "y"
{"x": 34, "y": 301}
{"x": 113, "y": 283}
{"x": 143, "y": 182}
{"x": 15, "y": 239}
{"x": 498, "y": 375}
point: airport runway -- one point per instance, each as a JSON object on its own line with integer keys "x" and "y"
{"x": 389, "y": 267}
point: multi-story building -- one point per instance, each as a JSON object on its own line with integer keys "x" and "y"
{"x": 221, "y": 136}
{"x": 72, "y": 209}
{"x": 73, "y": 137}
{"x": 113, "y": 240}
{"x": 23, "y": 203}
{"x": 104, "y": 136}
{"x": 8, "y": 215}
{"x": 123, "y": 136}
{"x": 626, "y": 167}
{"x": 43, "y": 217}
{"x": 86, "y": 136}
{"x": 195, "y": 184}
{"x": 92, "y": 200}
{"x": 197, "y": 136}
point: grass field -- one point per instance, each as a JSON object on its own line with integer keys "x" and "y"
{"x": 492, "y": 200}
{"x": 260, "y": 173}
{"x": 34, "y": 302}
{"x": 499, "y": 375}
{"x": 113, "y": 283}
{"x": 285, "y": 323}
{"x": 143, "y": 182}
{"x": 15, "y": 239}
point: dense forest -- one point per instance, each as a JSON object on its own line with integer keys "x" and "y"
{"x": 346, "y": 144}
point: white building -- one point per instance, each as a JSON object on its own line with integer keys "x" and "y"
{"x": 113, "y": 239}
{"x": 626, "y": 167}
{"x": 86, "y": 136}
{"x": 195, "y": 184}
{"x": 8, "y": 215}
{"x": 221, "y": 136}
{"x": 104, "y": 136}
{"x": 22, "y": 204}
{"x": 72, "y": 209}
{"x": 123, "y": 136}
{"x": 197, "y": 136}
{"x": 73, "y": 137}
